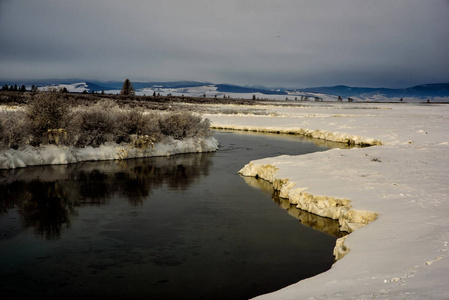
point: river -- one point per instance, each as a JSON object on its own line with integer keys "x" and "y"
{"x": 180, "y": 227}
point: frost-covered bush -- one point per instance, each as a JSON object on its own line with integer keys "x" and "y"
{"x": 150, "y": 126}
{"x": 182, "y": 125}
{"x": 49, "y": 119}
{"x": 14, "y": 129}
{"x": 93, "y": 126}
{"x": 134, "y": 122}
{"x": 47, "y": 111}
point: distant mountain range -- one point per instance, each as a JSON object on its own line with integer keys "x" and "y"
{"x": 196, "y": 88}
{"x": 419, "y": 91}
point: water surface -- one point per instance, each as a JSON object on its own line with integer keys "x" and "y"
{"x": 182, "y": 227}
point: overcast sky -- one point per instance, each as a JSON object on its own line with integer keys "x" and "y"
{"x": 298, "y": 43}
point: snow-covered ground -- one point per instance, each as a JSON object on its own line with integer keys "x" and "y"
{"x": 404, "y": 254}
{"x": 55, "y": 155}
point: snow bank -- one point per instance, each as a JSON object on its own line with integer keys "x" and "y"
{"x": 330, "y": 207}
{"x": 339, "y": 137}
{"x": 55, "y": 155}
{"x": 404, "y": 253}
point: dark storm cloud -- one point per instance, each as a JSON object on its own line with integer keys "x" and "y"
{"x": 273, "y": 43}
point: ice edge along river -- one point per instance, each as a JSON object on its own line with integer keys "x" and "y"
{"x": 404, "y": 253}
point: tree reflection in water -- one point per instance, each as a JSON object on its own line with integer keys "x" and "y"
{"x": 47, "y": 197}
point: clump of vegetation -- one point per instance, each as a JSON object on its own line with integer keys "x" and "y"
{"x": 50, "y": 118}
{"x": 93, "y": 126}
{"x": 135, "y": 123}
{"x": 45, "y": 114}
{"x": 182, "y": 125}
{"x": 14, "y": 130}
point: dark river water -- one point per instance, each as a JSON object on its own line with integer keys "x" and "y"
{"x": 181, "y": 227}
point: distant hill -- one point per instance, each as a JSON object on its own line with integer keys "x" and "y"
{"x": 228, "y": 88}
{"x": 420, "y": 91}
{"x": 429, "y": 90}
{"x": 196, "y": 88}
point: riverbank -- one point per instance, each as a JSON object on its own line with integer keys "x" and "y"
{"x": 56, "y": 155}
{"x": 404, "y": 253}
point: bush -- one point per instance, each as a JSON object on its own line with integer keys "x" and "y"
{"x": 14, "y": 130}
{"x": 151, "y": 127}
{"x": 47, "y": 111}
{"x": 184, "y": 125}
{"x": 93, "y": 127}
{"x": 135, "y": 123}
{"x": 129, "y": 122}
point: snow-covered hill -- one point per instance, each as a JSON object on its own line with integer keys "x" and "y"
{"x": 420, "y": 93}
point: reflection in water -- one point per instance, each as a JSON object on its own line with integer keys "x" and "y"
{"x": 314, "y": 221}
{"x": 46, "y": 197}
{"x": 43, "y": 206}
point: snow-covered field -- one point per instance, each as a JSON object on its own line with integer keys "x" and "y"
{"x": 210, "y": 92}
{"x": 404, "y": 254}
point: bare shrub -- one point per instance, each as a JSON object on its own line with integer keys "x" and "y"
{"x": 150, "y": 126}
{"x": 14, "y": 130}
{"x": 93, "y": 127}
{"x": 182, "y": 125}
{"x": 128, "y": 122}
{"x": 49, "y": 119}
{"x": 46, "y": 111}
{"x": 135, "y": 125}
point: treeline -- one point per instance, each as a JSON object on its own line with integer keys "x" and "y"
{"x": 51, "y": 118}
{"x": 155, "y": 101}
{"x": 15, "y": 88}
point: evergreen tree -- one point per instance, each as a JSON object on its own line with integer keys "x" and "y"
{"x": 127, "y": 89}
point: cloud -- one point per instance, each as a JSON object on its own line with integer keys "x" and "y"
{"x": 274, "y": 43}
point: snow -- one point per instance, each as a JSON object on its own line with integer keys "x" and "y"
{"x": 401, "y": 185}
{"x": 211, "y": 91}
{"x": 54, "y": 155}
{"x": 77, "y": 87}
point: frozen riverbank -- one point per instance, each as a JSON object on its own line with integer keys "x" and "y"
{"x": 404, "y": 253}
{"x": 55, "y": 155}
